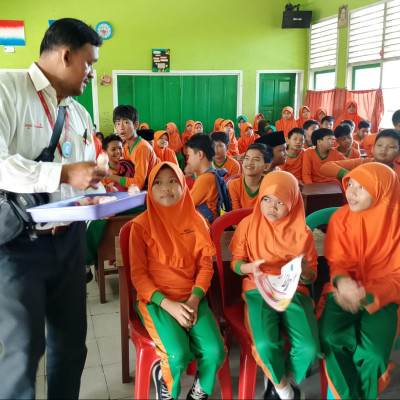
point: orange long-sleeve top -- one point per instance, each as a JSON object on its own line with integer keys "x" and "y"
{"x": 312, "y": 163}
{"x": 336, "y": 169}
{"x": 205, "y": 190}
{"x": 352, "y": 153}
{"x": 149, "y": 275}
{"x": 232, "y": 166}
{"x": 241, "y": 197}
{"x": 369, "y": 143}
{"x": 294, "y": 165}
{"x": 143, "y": 158}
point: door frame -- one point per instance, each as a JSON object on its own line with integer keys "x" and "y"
{"x": 238, "y": 73}
{"x": 299, "y": 85}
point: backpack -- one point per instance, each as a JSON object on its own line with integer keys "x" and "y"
{"x": 223, "y": 201}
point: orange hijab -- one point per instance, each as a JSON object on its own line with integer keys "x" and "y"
{"x": 365, "y": 244}
{"x": 217, "y": 123}
{"x": 319, "y": 110}
{"x": 279, "y": 242}
{"x": 186, "y": 134}
{"x": 143, "y": 125}
{"x": 179, "y": 232}
{"x": 346, "y": 115}
{"x": 245, "y": 141}
{"x": 174, "y": 143}
{"x": 255, "y": 123}
{"x": 286, "y": 125}
{"x": 301, "y": 119}
{"x": 233, "y": 143}
{"x": 163, "y": 154}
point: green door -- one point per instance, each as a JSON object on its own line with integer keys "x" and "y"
{"x": 276, "y": 91}
{"x": 163, "y": 99}
{"x": 86, "y": 99}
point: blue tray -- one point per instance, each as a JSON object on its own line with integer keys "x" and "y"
{"x": 66, "y": 210}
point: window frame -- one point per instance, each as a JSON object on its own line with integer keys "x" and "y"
{"x": 321, "y": 72}
{"x": 355, "y": 68}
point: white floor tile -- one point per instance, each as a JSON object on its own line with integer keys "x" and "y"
{"x": 93, "y": 384}
{"x": 90, "y": 331}
{"x": 110, "y": 349}
{"x": 106, "y": 324}
{"x": 116, "y": 388}
{"x": 93, "y": 355}
{"x": 95, "y": 307}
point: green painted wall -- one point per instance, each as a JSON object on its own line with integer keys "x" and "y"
{"x": 206, "y": 35}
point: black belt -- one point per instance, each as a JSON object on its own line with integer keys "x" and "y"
{"x": 52, "y": 231}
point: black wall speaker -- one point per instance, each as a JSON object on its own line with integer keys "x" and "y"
{"x": 296, "y": 19}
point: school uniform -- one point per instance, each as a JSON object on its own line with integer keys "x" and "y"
{"x": 294, "y": 165}
{"x": 364, "y": 247}
{"x": 170, "y": 255}
{"x": 286, "y": 125}
{"x": 256, "y": 238}
{"x": 245, "y": 141}
{"x": 233, "y": 150}
{"x": 350, "y": 154}
{"x": 232, "y": 166}
{"x": 166, "y": 154}
{"x": 355, "y": 117}
{"x": 301, "y": 120}
{"x": 240, "y": 194}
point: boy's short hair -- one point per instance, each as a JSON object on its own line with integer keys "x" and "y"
{"x": 69, "y": 32}
{"x": 125, "y": 111}
{"x": 328, "y": 118}
{"x": 265, "y": 150}
{"x": 309, "y": 122}
{"x": 203, "y": 142}
{"x": 342, "y": 130}
{"x": 296, "y": 130}
{"x": 100, "y": 134}
{"x": 219, "y": 136}
{"x": 364, "y": 124}
{"x": 319, "y": 134}
{"x": 108, "y": 139}
{"x": 348, "y": 122}
{"x": 393, "y": 133}
{"x": 396, "y": 117}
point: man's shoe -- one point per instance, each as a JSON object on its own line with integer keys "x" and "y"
{"x": 196, "y": 392}
{"x": 161, "y": 390}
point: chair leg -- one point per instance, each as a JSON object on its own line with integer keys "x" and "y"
{"x": 247, "y": 374}
{"x": 145, "y": 359}
{"x": 123, "y": 304}
{"x": 102, "y": 281}
{"x": 224, "y": 376}
{"x": 323, "y": 380}
{"x": 192, "y": 368}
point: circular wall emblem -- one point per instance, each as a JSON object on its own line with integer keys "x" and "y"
{"x": 104, "y": 30}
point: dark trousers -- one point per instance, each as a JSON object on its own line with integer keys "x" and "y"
{"x": 43, "y": 283}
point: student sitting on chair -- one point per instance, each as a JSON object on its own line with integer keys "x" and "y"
{"x": 344, "y": 139}
{"x": 309, "y": 127}
{"x": 221, "y": 159}
{"x": 295, "y": 151}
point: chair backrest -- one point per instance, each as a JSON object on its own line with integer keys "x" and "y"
{"x": 339, "y": 182}
{"x": 225, "y": 274}
{"x": 189, "y": 181}
{"x": 231, "y": 178}
{"x": 320, "y": 217}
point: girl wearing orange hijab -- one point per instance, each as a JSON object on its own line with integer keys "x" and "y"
{"x": 350, "y": 112}
{"x": 257, "y": 119}
{"x": 304, "y": 115}
{"x": 174, "y": 143}
{"x": 228, "y": 127}
{"x": 247, "y": 137}
{"x": 320, "y": 113}
{"x": 217, "y": 124}
{"x": 188, "y": 132}
{"x": 171, "y": 268}
{"x": 287, "y": 122}
{"x": 263, "y": 243}
{"x": 161, "y": 139}
{"x": 360, "y": 320}
{"x": 143, "y": 125}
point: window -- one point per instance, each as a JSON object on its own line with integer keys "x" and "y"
{"x": 323, "y": 51}
{"x": 390, "y": 91}
{"x": 366, "y": 77}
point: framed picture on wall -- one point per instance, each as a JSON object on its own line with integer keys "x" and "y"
{"x": 161, "y": 60}
{"x": 343, "y": 17}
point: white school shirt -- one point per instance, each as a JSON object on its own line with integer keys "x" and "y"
{"x": 25, "y": 131}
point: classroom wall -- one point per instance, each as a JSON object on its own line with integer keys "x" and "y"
{"x": 206, "y": 35}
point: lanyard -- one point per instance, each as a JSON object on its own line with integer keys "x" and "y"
{"x": 49, "y": 117}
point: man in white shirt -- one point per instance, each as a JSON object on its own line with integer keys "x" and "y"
{"x": 43, "y": 282}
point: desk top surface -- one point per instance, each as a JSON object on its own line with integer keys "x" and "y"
{"x": 310, "y": 189}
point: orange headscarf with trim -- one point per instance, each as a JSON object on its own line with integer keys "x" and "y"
{"x": 166, "y": 154}
{"x": 217, "y": 124}
{"x": 301, "y": 119}
{"x": 179, "y": 232}
{"x": 319, "y": 110}
{"x": 346, "y": 115}
{"x": 186, "y": 134}
{"x": 255, "y": 123}
{"x": 286, "y": 125}
{"x": 144, "y": 125}
{"x": 233, "y": 143}
{"x": 174, "y": 143}
{"x": 245, "y": 141}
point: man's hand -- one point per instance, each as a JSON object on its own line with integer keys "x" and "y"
{"x": 180, "y": 311}
{"x": 350, "y": 295}
{"x": 82, "y": 175}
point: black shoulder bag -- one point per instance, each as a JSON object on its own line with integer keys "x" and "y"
{"x": 14, "y": 219}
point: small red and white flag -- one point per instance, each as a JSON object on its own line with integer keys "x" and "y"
{"x": 12, "y": 33}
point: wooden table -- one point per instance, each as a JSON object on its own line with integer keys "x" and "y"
{"x": 321, "y": 195}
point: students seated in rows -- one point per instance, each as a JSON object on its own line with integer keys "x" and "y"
{"x": 228, "y": 127}
{"x": 221, "y": 159}
{"x": 244, "y": 190}
{"x": 344, "y": 139}
{"x": 295, "y": 151}
{"x": 323, "y": 152}
{"x": 309, "y": 127}
{"x": 247, "y": 137}
{"x": 287, "y": 122}
{"x": 364, "y": 129}
{"x": 359, "y": 323}
{"x": 200, "y": 154}
{"x": 386, "y": 150}
{"x": 163, "y": 152}
{"x": 327, "y": 122}
{"x": 263, "y": 243}
{"x": 277, "y": 142}
{"x": 320, "y": 113}
{"x": 304, "y": 115}
{"x": 171, "y": 268}
{"x": 137, "y": 150}
{"x": 350, "y": 112}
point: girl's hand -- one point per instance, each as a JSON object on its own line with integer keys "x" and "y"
{"x": 306, "y": 271}
{"x": 350, "y": 295}
{"x": 252, "y": 268}
{"x": 180, "y": 311}
{"x": 193, "y": 303}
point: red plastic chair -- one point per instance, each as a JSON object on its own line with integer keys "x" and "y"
{"x": 189, "y": 181}
{"x": 231, "y": 178}
{"x": 146, "y": 356}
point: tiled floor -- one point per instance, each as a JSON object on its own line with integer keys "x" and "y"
{"x": 102, "y": 374}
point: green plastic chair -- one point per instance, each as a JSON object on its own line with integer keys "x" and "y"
{"x": 320, "y": 217}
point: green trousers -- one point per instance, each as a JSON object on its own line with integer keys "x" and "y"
{"x": 265, "y": 326}
{"x": 357, "y": 348}
{"x": 178, "y": 347}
